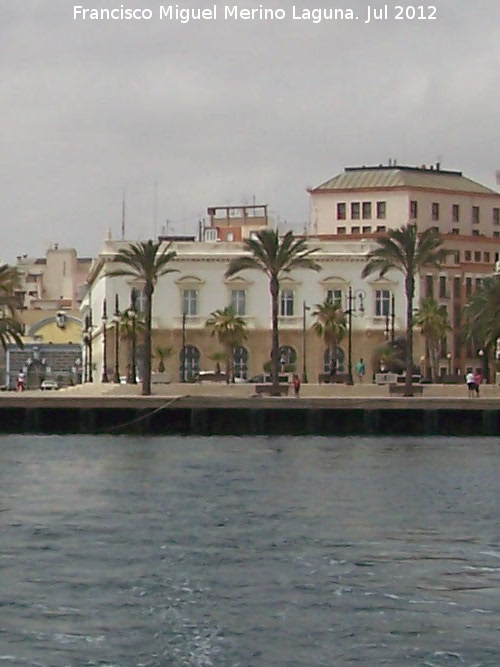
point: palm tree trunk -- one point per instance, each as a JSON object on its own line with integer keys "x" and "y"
{"x": 146, "y": 380}
{"x": 275, "y": 349}
{"x": 410, "y": 290}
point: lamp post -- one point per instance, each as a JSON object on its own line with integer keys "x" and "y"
{"x": 304, "y": 350}
{"x": 448, "y": 356}
{"x": 87, "y": 339}
{"x": 393, "y": 316}
{"x": 104, "y": 320}
{"x": 132, "y": 313}
{"x": 350, "y": 300}
{"x": 482, "y": 360}
{"x": 184, "y": 347}
{"x": 116, "y": 320}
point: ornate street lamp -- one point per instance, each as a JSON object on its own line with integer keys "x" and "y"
{"x": 132, "y": 313}
{"x": 304, "y": 350}
{"x": 87, "y": 339}
{"x": 183, "y": 347}
{"x": 116, "y": 320}
{"x": 104, "y": 320}
{"x": 351, "y": 310}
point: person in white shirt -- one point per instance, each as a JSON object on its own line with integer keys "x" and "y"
{"x": 469, "y": 379}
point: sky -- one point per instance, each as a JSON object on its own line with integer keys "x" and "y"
{"x": 177, "y": 117}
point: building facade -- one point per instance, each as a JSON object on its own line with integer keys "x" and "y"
{"x": 184, "y": 300}
{"x": 368, "y": 201}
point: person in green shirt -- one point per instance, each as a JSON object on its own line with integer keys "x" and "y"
{"x": 360, "y": 369}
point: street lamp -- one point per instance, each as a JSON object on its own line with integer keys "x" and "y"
{"x": 304, "y": 351}
{"x": 184, "y": 347}
{"x": 132, "y": 313}
{"x": 350, "y": 300}
{"x": 116, "y": 320}
{"x": 393, "y": 316}
{"x": 104, "y": 320}
{"x": 448, "y": 356}
{"x": 87, "y": 339}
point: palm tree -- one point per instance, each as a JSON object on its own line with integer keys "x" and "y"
{"x": 331, "y": 326}
{"x": 482, "y": 316}
{"x": 274, "y": 256}
{"x": 9, "y": 282}
{"x": 163, "y": 353}
{"x": 145, "y": 262}
{"x": 11, "y": 331}
{"x": 230, "y": 330}
{"x": 408, "y": 252}
{"x": 433, "y": 322}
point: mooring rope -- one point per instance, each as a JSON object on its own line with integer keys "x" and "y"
{"x": 146, "y": 416}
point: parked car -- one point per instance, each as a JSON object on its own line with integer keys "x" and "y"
{"x": 49, "y": 385}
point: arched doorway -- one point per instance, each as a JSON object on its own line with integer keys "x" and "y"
{"x": 36, "y": 374}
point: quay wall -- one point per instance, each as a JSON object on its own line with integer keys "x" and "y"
{"x": 58, "y": 413}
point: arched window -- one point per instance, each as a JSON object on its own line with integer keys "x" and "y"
{"x": 287, "y": 357}
{"x": 189, "y": 363}
{"x": 339, "y": 360}
{"x": 240, "y": 361}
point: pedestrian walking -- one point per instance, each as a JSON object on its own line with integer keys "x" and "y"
{"x": 360, "y": 369}
{"x": 478, "y": 379}
{"x": 296, "y": 385}
{"x": 469, "y": 379}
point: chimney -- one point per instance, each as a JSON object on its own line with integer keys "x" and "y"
{"x": 438, "y": 166}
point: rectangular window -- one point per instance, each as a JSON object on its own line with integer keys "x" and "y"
{"x": 487, "y": 257}
{"x": 467, "y": 256}
{"x": 468, "y": 286}
{"x": 442, "y": 287}
{"x": 340, "y": 230}
{"x": 457, "y": 291}
{"x": 475, "y": 215}
{"x": 367, "y": 210}
{"x": 457, "y": 257}
{"x": 413, "y": 210}
{"x": 455, "y": 231}
{"x": 435, "y": 210}
{"x": 190, "y": 302}
{"x": 382, "y": 301}
{"x": 367, "y": 230}
{"x": 429, "y": 286}
{"x": 455, "y": 213}
{"x": 475, "y": 232}
{"x": 479, "y": 282}
{"x": 334, "y": 296}
{"x": 496, "y": 235}
{"x": 238, "y": 301}
{"x": 355, "y": 210}
{"x": 496, "y": 216}
{"x": 380, "y": 229}
{"x": 341, "y": 211}
{"x": 477, "y": 256}
{"x": 354, "y": 230}
{"x": 286, "y": 303}
{"x": 381, "y": 210}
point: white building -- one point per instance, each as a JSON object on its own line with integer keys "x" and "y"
{"x": 184, "y": 300}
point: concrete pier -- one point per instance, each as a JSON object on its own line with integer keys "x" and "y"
{"x": 233, "y": 410}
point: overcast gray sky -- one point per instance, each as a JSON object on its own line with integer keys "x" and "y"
{"x": 220, "y": 111}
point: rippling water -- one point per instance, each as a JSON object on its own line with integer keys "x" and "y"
{"x": 274, "y": 552}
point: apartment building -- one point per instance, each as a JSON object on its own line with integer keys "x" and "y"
{"x": 364, "y": 202}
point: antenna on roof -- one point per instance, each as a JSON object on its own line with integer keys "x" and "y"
{"x": 123, "y": 215}
{"x": 155, "y": 208}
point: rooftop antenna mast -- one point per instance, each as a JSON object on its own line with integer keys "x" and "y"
{"x": 155, "y": 209}
{"x": 123, "y": 216}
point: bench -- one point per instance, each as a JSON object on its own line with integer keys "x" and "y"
{"x": 265, "y": 389}
{"x": 211, "y": 377}
{"x": 399, "y": 389}
{"x": 338, "y": 378}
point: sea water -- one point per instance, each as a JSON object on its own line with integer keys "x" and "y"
{"x": 246, "y": 552}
